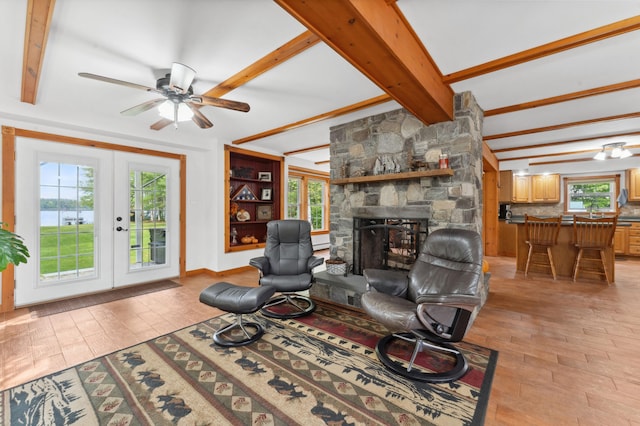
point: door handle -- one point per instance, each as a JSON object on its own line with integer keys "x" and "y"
{"x": 120, "y": 228}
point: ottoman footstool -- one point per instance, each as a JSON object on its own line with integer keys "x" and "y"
{"x": 238, "y": 300}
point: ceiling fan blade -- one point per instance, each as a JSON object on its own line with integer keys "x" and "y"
{"x": 199, "y": 118}
{"x": 222, "y": 103}
{"x": 160, "y": 124}
{"x": 181, "y": 77}
{"x": 145, "y": 106}
{"x": 120, "y": 82}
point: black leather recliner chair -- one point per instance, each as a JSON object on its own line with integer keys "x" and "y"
{"x": 430, "y": 306}
{"x": 287, "y": 265}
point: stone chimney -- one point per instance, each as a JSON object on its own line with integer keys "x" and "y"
{"x": 397, "y": 142}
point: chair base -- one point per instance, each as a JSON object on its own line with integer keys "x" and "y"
{"x": 292, "y": 306}
{"x": 225, "y": 336}
{"x": 436, "y": 343}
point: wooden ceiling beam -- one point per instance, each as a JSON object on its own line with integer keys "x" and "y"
{"x": 315, "y": 119}
{"x": 39, "y": 13}
{"x": 548, "y": 144}
{"x": 287, "y": 51}
{"x": 626, "y": 85}
{"x": 575, "y": 160}
{"x": 561, "y": 126}
{"x": 571, "y": 42}
{"x": 309, "y": 149}
{"x": 375, "y": 37}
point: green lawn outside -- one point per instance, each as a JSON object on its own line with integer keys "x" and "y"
{"x": 82, "y": 243}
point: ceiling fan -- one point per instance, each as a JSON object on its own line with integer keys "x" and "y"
{"x": 178, "y": 102}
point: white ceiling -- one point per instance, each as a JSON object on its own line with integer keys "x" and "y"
{"x": 138, "y": 40}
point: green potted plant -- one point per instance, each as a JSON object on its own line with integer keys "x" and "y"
{"x": 12, "y": 249}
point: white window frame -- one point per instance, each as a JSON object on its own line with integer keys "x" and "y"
{"x": 614, "y": 180}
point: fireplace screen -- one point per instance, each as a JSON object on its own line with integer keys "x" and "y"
{"x": 387, "y": 243}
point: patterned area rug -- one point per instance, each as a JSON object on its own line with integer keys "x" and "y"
{"x": 316, "y": 370}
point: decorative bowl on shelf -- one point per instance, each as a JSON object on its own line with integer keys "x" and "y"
{"x": 243, "y": 215}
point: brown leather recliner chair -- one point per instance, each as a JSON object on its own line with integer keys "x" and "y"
{"x": 431, "y": 306}
{"x": 287, "y": 266}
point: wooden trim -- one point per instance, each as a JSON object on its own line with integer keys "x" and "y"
{"x": 571, "y": 42}
{"x": 8, "y": 209}
{"x": 394, "y": 58}
{"x": 253, "y": 153}
{"x": 183, "y": 217}
{"x": 218, "y": 274}
{"x": 322, "y": 162}
{"x": 489, "y": 159}
{"x": 39, "y": 14}
{"x": 304, "y": 170}
{"x": 632, "y": 84}
{"x": 317, "y": 118}
{"x": 311, "y": 148}
{"x": 92, "y": 143}
{"x": 283, "y": 53}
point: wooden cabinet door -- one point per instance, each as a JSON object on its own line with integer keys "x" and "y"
{"x": 633, "y": 184}
{"x": 620, "y": 241}
{"x": 506, "y": 191}
{"x": 545, "y": 188}
{"x": 521, "y": 189}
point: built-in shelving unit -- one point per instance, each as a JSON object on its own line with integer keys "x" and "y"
{"x": 393, "y": 176}
{"x": 254, "y": 186}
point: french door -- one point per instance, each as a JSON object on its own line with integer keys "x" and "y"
{"x": 93, "y": 219}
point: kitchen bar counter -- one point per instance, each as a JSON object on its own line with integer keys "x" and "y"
{"x": 564, "y": 253}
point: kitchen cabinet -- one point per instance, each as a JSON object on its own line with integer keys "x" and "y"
{"x": 633, "y": 184}
{"x": 253, "y": 188}
{"x": 505, "y": 191}
{"x": 633, "y": 240}
{"x": 627, "y": 240}
{"x": 521, "y": 189}
{"x": 620, "y": 241}
{"x": 530, "y": 188}
{"x": 545, "y": 188}
{"x": 506, "y": 239}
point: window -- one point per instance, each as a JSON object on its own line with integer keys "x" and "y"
{"x": 308, "y": 198}
{"x": 593, "y": 194}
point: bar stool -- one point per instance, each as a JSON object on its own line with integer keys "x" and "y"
{"x": 593, "y": 236}
{"x": 542, "y": 234}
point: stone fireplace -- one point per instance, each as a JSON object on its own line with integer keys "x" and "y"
{"x": 392, "y": 144}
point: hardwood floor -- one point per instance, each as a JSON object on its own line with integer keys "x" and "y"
{"x": 568, "y": 351}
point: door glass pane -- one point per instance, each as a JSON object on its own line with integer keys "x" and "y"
{"x": 316, "y": 204}
{"x": 293, "y": 198}
{"x": 67, "y": 249}
{"x": 147, "y": 221}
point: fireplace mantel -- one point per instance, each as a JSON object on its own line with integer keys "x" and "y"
{"x": 393, "y": 176}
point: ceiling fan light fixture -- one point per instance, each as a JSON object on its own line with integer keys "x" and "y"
{"x": 166, "y": 110}
{"x": 181, "y": 77}
{"x": 616, "y": 152}
{"x": 601, "y": 155}
{"x": 625, "y": 153}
